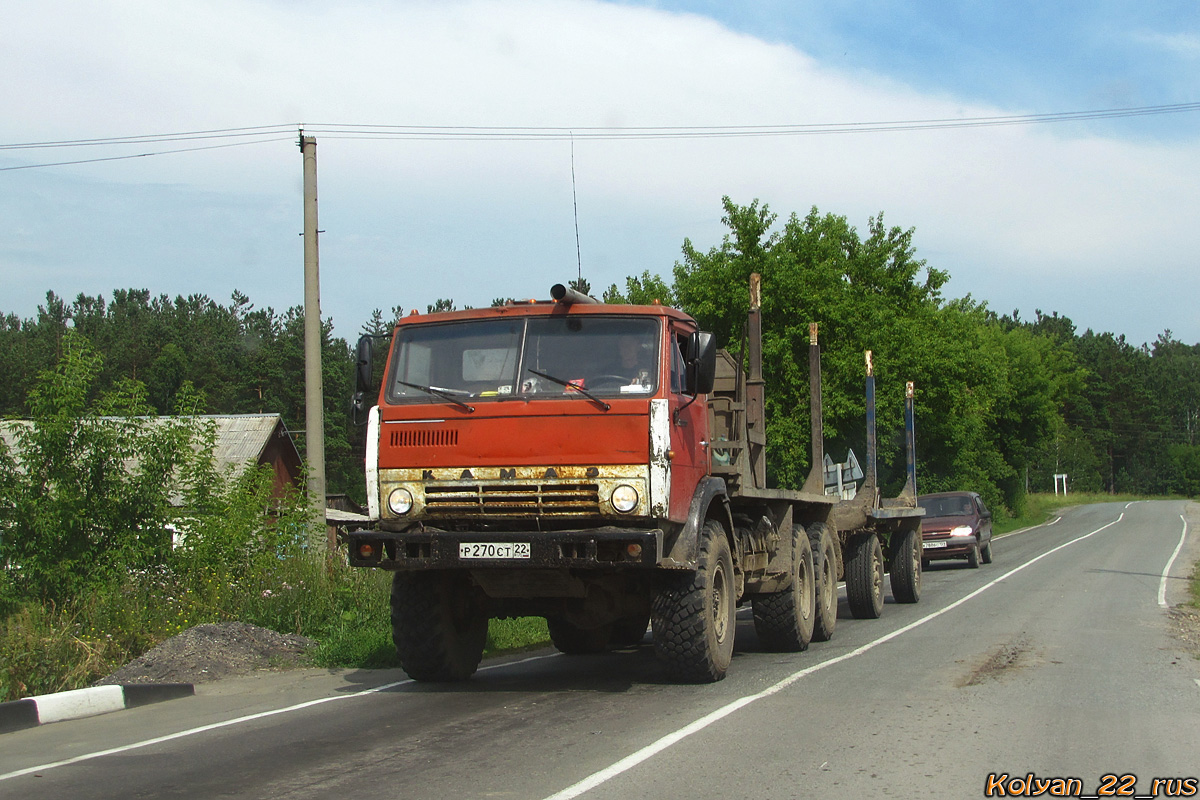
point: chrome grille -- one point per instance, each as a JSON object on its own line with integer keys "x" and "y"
{"x": 513, "y": 500}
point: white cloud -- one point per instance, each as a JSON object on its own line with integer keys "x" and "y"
{"x": 494, "y": 218}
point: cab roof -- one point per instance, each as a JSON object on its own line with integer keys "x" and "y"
{"x": 547, "y": 308}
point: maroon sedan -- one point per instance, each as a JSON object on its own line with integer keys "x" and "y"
{"x": 956, "y": 525}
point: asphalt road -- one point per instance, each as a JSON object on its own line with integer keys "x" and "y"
{"x": 1055, "y": 660}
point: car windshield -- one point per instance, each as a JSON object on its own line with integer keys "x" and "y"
{"x": 947, "y": 506}
{"x": 539, "y": 356}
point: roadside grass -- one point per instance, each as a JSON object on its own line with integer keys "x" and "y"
{"x": 1195, "y": 585}
{"x": 514, "y": 635}
{"x": 1041, "y": 507}
{"x": 46, "y": 647}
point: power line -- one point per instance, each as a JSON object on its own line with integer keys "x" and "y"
{"x": 270, "y": 133}
{"x": 141, "y": 155}
{"x": 530, "y": 133}
{"x": 219, "y": 133}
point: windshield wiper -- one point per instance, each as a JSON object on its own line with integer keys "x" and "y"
{"x": 445, "y": 394}
{"x": 570, "y": 385}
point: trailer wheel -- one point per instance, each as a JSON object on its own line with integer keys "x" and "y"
{"x": 784, "y": 620}
{"x": 693, "y": 614}
{"x": 574, "y": 640}
{"x": 864, "y": 576}
{"x": 438, "y": 625}
{"x": 906, "y": 567}
{"x": 825, "y": 562}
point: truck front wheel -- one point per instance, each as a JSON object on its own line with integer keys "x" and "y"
{"x": 438, "y": 625}
{"x": 693, "y": 614}
{"x": 784, "y": 620}
{"x": 864, "y": 576}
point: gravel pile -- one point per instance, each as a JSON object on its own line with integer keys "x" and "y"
{"x": 214, "y": 651}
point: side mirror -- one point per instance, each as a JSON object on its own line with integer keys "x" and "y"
{"x": 365, "y": 353}
{"x": 359, "y": 403}
{"x": 702, "y": 363}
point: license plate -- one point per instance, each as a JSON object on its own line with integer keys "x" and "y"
{"x": 932, "y": 545}
{"x": 493, "y": 550}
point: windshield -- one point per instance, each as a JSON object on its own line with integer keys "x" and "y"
{"x": 947, "y": 506}
{"x": 544, "y": 356}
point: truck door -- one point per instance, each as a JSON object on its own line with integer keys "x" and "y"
{"x": 689, "y": 427}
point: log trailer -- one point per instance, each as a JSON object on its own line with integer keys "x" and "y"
{"x": 603, "y": 466}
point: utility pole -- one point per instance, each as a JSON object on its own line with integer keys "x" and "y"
{"x": 314, "y": 404}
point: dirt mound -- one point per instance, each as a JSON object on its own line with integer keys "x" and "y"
{"x": 214, "y": 651}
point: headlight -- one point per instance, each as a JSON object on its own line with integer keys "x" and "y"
{"x": 962, "y": 530}
{"x": 400, "y": 501}
{"x": 624, "y": 498}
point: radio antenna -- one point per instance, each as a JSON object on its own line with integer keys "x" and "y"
{"x": 575, "y": 204}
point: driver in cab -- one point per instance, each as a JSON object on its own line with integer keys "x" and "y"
{"x": 634, "y": 363}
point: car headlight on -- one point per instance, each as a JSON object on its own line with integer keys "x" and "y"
{"x": 624, "y": 498}
{"x": 400, "y": 501}
{"x": 962, "y": 530}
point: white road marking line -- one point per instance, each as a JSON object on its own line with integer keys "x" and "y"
{"x": 654, "y": 748}
{"x": 1030, "y": 528}
{"x": 1162, "y": 583}
{"x": 627, "y": 762}
{"x": 237, "y": 721}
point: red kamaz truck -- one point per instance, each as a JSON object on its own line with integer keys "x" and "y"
{"x": 603, "y": 466}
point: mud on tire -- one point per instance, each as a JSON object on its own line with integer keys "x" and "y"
{"x": 784, "y": 620}
{"x": 437, "y": 625}
{"x": 905, "y": 566}
{"x": 824, "y": 551}
{"x": 864, "y": 576}
{"x": 693, "y": 614}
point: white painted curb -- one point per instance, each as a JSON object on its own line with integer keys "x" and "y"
{"x": 79, "y": 703}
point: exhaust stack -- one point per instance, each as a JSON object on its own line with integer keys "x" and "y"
{"x": 566, "y": 296}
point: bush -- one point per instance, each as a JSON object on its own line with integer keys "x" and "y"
{"x": 120, "y": 532}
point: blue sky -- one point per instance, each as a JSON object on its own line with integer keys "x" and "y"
{"x": 1094, "y": 220}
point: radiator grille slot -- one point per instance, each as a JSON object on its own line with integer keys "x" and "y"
{"x": 513, "y": 500}
{"x": 428, "y": 437}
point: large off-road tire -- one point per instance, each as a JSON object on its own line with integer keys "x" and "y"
{"x": 824, "y": 550}
{"x": 573, "y": 640}
{"x": 438, "y": 625}
{"x": 864, "y": 576}
{"x": 973, "y": 556}
{"x": 629, "y": 631}
{"x": 905, "y": 568}
{"x": 693, "y": 614}
{"x": 985, "y": 553}
{"x": 784, "y": 620}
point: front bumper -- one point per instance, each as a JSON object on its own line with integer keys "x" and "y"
{"x": 594, "y": 548}
{"x": 954, "y": 547}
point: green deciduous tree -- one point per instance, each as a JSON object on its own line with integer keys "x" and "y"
{"x": 87, "y": 488}
{"x": 94, "y": 488}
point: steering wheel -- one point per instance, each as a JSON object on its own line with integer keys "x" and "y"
{"x": 609, "y": 379}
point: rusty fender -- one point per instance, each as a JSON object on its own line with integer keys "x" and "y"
{"x": 710, "y": 501}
